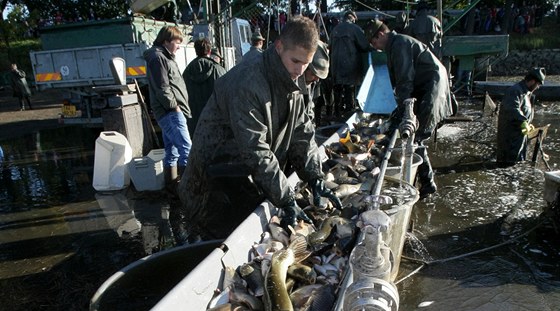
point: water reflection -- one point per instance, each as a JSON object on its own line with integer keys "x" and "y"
{"x": 59, "y": 239}
{"x": 482, "y": 207}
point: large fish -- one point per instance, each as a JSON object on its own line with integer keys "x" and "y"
{"x": 276, "y": 297}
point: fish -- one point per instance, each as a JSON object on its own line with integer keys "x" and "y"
{"x": 301, "y": 296}
{"x": 236, "y": 295}
{"x": 345, "y": 190}
{"x": 321, "y": 299}
{"x": 276, "y": 297}
{"x": 278, "y": 233}
{"x": 229, "y": 307}
{"x": 318, "y": 237}
{"x": 302, "y": 273}
{"x": 252, "y": 274}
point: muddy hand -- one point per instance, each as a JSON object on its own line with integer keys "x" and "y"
{"x": 320, "y": 190}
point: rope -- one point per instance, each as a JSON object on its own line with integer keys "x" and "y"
{"x": 474, "y": 252}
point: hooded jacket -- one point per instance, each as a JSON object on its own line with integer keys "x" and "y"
{"x": 166, "y": 84}
{"x": 253, "y": 124}
{"x": 347, "y": 43}
{"x": 515, "y": 109}
{"x": 200, "y": 76}
{"x": 427, "y": 29}
{"x": 416, "y": 72}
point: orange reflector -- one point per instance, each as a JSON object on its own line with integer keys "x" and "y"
{"x": 44, "y": 77}
{"x": 136, "y": 71}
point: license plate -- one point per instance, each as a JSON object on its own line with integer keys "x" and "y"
{"x": 69, "y": 110}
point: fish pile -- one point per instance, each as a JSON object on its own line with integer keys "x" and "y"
{"x": 301, "y": 268}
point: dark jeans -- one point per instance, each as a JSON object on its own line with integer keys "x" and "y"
{"x": 344, "y": 95}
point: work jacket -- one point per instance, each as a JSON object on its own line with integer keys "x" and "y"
{"x": 199, "y": 76}
{"x": 427, "y": 29}
{"x": 19, "y": 84}
{"x": 253, "y": 52}
{"x": 416, "y": 72}
{"x": 166, "y": 84}
{"x": 347, "y": 44}
{"x": 254, "y": 123}
{"x": 515, "y": 109}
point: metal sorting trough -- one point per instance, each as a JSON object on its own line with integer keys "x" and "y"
{"x": 198, "y": 287}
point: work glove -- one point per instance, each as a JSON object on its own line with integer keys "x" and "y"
{"x": 293, "y": 213}
{"x": 526, "y": 128}
{"x": 319, "y": 190}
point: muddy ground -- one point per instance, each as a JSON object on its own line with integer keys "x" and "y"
{"x": 13, "y": 122}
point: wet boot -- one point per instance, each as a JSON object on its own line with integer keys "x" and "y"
{"x": 170, "y": 178}
{"x": 425, "y": 174}
{"x": 180, "y": 172}
{"x": 337, "y": 91}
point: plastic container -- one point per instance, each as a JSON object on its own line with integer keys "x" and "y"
{"x": 394, "y": 167}
{"x": 147, "y": 172}
{"x": 112, "y": 154}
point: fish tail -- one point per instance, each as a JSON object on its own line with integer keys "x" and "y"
{"x": 299, "y": 248}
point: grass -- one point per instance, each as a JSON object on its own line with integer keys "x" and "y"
{"x": 544, "y": 37}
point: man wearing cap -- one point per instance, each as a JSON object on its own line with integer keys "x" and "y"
{"x": 415, "y": 72}
{"x": 347, "y": 44}
{"x": 199, "y": 77}
{"x": 257, "y": 41}
{"x": 316, "y": 71}
{"x": 254, "y": 130}
{"x": 515, "y": 117}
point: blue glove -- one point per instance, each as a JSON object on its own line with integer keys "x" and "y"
{"x": 293, "y": 213}
{"x": 319, "y": 190}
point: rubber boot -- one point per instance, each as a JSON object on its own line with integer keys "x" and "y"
{"x": 425, "y": 174}
{"x": 170, "y": 178}
{"x": 180, "y": 172}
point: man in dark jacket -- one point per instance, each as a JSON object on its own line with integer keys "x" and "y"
{"x": 257, "y": 41}
{"x": 254, "y": 123}
{"x": 199, "y": 76}
{"x": 19, "y": 86}
{"x": 347, "y": 44}
{"x": 427, "y": 29}
{"x": 415, "y": 73}
{"x": 515, "y": 117}
{"x": 169, "y": 102}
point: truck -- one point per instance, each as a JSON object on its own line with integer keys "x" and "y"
{"x": 75, "y": 57}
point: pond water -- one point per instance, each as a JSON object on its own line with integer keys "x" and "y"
{"x": 60, "y": 240}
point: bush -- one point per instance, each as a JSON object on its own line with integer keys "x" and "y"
{"x": 18, "y": 52}
{"x": 544, "y": 37}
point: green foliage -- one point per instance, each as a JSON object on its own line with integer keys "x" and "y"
{"x": 544, "y": 37}
{"x": 18, "y": 52}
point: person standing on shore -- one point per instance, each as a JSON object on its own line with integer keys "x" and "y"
{"x": 19, "y": 86}
{"x": 200, "y": 75}
{"x": 515, "y": 117}
{"x": 169, "y": 102}
{"x": 347, "y": 44}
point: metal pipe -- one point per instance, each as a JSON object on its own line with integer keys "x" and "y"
{"x": 382, "y": 169}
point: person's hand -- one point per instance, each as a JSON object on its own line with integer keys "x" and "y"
{"x": 293, "y": 213}
{"x": 319, "y": 190}
{"x": 526, "y": 128}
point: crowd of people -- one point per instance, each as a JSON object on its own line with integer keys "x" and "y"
{"x": 231, "y": 138}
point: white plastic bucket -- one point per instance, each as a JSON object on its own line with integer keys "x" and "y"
{"x": 112, "y": 154}
{"x": 147, "y": 172}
